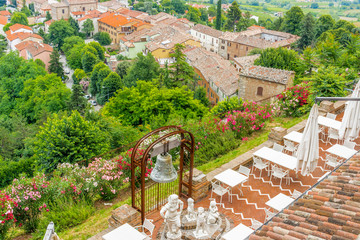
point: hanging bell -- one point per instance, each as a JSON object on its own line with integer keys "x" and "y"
{"x": 164, "y": 171}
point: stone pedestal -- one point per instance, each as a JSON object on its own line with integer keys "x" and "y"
{"x": 124, "y": 214}
{"x": 277, "y": 134}
{"x": 200, "y": 184}
{"x": 326, "y": 106}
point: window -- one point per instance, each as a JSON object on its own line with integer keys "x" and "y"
{"x": 217, "y": 41}
{"x": 259, "y": 91}
{"x": 63, "y": 11}
{"x": 222, "y": 47}
{"x": 247, "y": 48}
{"x": 237, "y": 46}
{"x": 83, "y": 8}
{"x": 222, "y": 41}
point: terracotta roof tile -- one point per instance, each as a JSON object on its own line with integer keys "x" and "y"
{"x": 207, "y": 30}
{"x": 78, "y": 13}
{"x": 5, "y": 13}
{"x": 18, "y": 26}
{"x": 34, "y": 48}
{"x": 329, "y": 211}
{"x": 3, "y": 20}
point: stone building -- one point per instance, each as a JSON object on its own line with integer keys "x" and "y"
{"x": 63, "y": 9}
{"x": 233, "y": 45}
{"x": 208, "y": 37}
{"x": 34, "y": 50}
{"x": 219, "y": 78}
{"x": 257, "y": 83}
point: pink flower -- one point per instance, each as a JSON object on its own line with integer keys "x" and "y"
{"x": 26, "y": 209}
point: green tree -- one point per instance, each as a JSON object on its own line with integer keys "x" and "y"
{"x": 292, "y": 20}
{"x": 218, "y": 16}
{"x": 99, "y": 73}
{"x": 68, "y": 139}
{"x": 43, "y": 95}
{"x": 55, "y": 64}
{"x": 193, "y": 14}
{"x": 204, "y": 15}
{"x": 200, "y": 94}
{"x": 70, "y": 42}
{"x": 180, "y": 71}
{"x": 78, "y": 75}
{"x": 48, "y": 16}
{"x": 19, "y": 17}
{"x": 58, "y": 31}
{"x": 40, "y": 62}
{"x": 110, "y": 85}
{"x": 145, "y": 103}
{"x": 144, "y": 68}
{"x": 277, "y": 24}
{"x": 88, "y": 27}
{"x": 26, "y": 11}
{"x": 307, "y": 32}
{"x": 73, "y": 56}
{"x": 77, "y": 101}
{"x": 88, "y": 60}
{"x": 103, "y": 38}
{"x": 74, "y": 24}
{"x": 280, "y": 58}
{"x": 345, "y": 25}
{"x": 314, "y": 5}
{"x": 122, "y": 68}
{"x": 100, "y": 51}
{"x": 328, "y": 82}
{"x": 233, "y": 17}
{"x": 179, "y": 6}
{"x": 323, "y": 24}
{"x": 329, "y": 51}
{"x": 3, "y": 44}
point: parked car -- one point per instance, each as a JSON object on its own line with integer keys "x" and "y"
{"x": 67, "y": 71}
{"x": 87, "y": 96}
{"x": 93, "y": 102}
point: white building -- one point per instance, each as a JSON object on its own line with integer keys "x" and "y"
{"x": 208, "y": 37}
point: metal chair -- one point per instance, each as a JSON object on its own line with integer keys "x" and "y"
{"x": 279, "y": 173}
{"x": 147, "y": 226}
{"x": 350, "y": 145}
{"x": 333, "y": 134}
{"x": 255, "y": 224}
{"x": 278, "y": 147}
{"x": 268, "y": 214}
{"x": 244, "y": 171}
{"x": 331, "y": 161}
{"x": 296, "y": 194}
{"x": 321, "y": 132}
{"x": 331, "y": 115}
{"x": 289, "y": 146}
{"x": 219, "y": 190}
{"x": 259, "y": 164}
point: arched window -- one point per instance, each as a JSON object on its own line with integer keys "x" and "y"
{"x": 259, "y": 91}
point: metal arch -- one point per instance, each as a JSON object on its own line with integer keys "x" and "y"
{"x": 143, "y": 162}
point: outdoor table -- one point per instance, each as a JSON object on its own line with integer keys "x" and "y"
{"x": 124, "y": 232}
{"x": 328, "y": 122}
{"x": 231, "y": 178}
{"x": 278, "y": 158}
{"x": 341, "y": 151}
{"x": 294, "y": 137}
{"x": 238, "y": 233}
{"x": 279, "y": 202}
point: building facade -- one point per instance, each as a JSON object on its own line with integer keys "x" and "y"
{"x": 208, "y": 37}
{"x": 62, "y": 10}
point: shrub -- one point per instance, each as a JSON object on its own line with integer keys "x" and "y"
{"x": 292, "y": 101}
{"x": 7, "y": 218}
{"x": 221, "y": 109}
{"x": 65, "y": 213}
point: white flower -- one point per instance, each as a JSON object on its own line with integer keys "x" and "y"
{"x": 95, "y": 184}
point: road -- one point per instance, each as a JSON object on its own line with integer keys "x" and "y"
{"x": 70, "y": 81}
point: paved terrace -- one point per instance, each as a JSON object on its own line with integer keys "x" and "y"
{"x": 259, "y": 189}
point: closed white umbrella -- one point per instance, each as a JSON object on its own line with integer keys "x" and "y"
{"x": 350, "y": 124}
{"x": 308, "y": 150}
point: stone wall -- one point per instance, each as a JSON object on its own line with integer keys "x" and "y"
{"x": 200, "y": 185}
{"x": 124, "y": 214}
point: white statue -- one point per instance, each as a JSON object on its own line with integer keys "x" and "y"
{"x": 200, "y": 223}
{"x": 191, "y": 215}
{"x": 213, "y": 215}
{"x": 171, "y": 213}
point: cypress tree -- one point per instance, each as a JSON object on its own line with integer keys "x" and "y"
{"x": 218, "y": 15}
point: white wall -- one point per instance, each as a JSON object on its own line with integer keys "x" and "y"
{"x": 208, "y": 42}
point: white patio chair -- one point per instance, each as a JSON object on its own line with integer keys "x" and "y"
{"x": 279, "y": 173}
{"x": 289, "y": 146}
{"x": 268, "y": 214}
{"x": 331, "y": 115}
{"x": 244, "y": 171}
{"x": 333, "y": 134}
{"x": 147, "y": 228}
{"x": 219, "y": 190}
{"x": 321, "y": 131}
{"x": 278, "y": 147}
{"x": 295, "y": 194}
{"x": 331, "y": 161}
{"x": 350, "y": 145}
{"x": 255, "y": 224}
{"x": 259, "y": 164}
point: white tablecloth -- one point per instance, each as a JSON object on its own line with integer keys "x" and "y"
{"x": 278, "y": 158}
{"x": 231, "y": 177}
{"x": 124, "y": 232}
{"x": 239, "y": 232}
{"x": 328, "y": 122}
{"x": 279, "y": 202}
{"x": 294, "y": 136}
{"x": 341, "y": 151}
